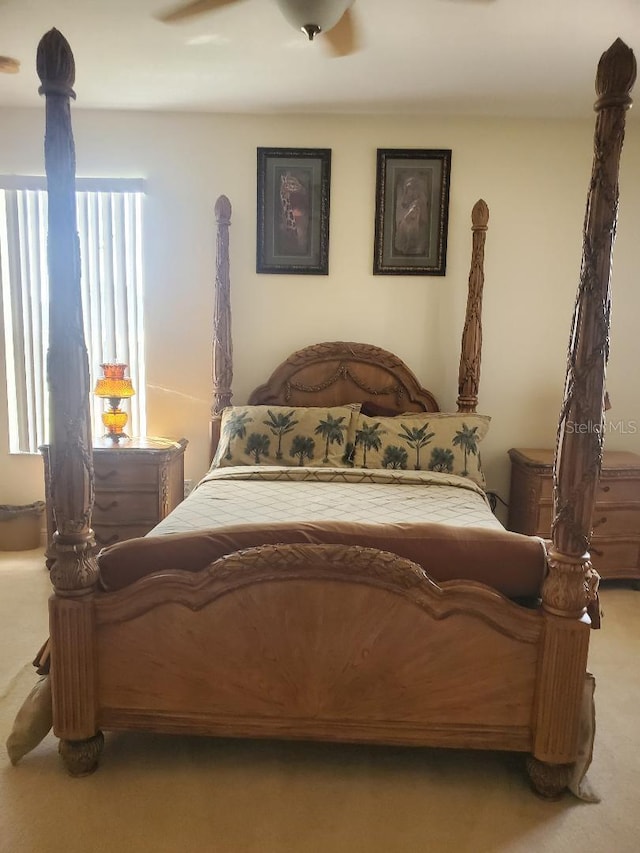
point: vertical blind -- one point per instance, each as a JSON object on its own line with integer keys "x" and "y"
{"x": 110, "y": 232}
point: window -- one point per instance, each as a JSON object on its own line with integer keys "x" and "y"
{"x": 110, "y": 232}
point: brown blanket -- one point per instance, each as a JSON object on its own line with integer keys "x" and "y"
{"x": 511, "y": 563}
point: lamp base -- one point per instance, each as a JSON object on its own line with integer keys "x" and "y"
{"x": 115, "y": 437}
{"x": 115, "y": 421}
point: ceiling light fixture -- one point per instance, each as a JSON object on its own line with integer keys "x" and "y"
{"x": 313, "y": 16}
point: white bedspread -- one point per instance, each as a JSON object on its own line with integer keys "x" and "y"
{"x": 265, "y": 494}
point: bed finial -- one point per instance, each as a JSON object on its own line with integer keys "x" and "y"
{"x": 471, "y": 349}
{"x": 56, "y": 65}
{"x": 74, "y": 570}
{"x": 222, "y": 210}
{"x": 222, "y": 343}
{"x": 615, "y": 76}
{"x": 580, "y": 429}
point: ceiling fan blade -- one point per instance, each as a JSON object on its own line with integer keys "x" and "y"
{"x": 9, "y": 65}
{"x": 189, "y": 10}
{"x": 343, "y": 38}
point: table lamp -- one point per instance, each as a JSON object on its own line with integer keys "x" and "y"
{"x": 114, "y": 386}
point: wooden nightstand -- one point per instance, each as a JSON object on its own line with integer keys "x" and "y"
{"x": 615, "y": 543}
{"x": 137, "y": 483}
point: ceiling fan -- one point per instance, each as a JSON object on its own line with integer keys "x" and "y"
{"x": 9, "y": 65}
{"x": 333, "y": 18}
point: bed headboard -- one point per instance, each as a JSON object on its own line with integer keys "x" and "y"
{"x": 339, "y": 372}
{"x": 336, "y": 373}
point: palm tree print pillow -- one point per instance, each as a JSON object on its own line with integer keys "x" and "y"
{"x": 284, "y": 435}
{"x": 429, "y": 442}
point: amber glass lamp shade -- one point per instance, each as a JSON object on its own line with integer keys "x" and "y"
{"x": 114, "y": 386}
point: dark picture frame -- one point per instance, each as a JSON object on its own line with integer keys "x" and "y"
{"x": 412, "y": 211}
{"x": 293, "y": 210}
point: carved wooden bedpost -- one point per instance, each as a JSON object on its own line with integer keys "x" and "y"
{"x": 471, "y": 349}
{"x": 580, "y": 430}
{"x": 571, "y": 581}
{"x": 222, "y": 343}
{"x": 74, "y": 572}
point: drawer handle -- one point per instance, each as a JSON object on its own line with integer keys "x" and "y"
{"x": 106, "y": 508}
{"x": 603, "y": 520}
{"x": 606, "y": 488}
{"x": 106, "y": 476}
{"x": 597, "y": 552}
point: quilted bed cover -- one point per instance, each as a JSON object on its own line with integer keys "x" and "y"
{"x": 269, "y": 494}
{"x": 440, "y": 521}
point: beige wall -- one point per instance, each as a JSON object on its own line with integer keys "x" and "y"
{"x": 533, "y": 175}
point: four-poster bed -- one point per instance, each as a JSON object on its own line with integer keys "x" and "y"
{"x": 320, "y": 638}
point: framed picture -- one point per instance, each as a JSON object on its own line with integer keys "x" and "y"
{"x": 412, "y": 211}
{"x": 293, "y": 210}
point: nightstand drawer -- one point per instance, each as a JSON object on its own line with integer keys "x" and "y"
{"x": 615, "y": 540}
{"x": 125, "y": 507}
{"x": 617, "y": 558}
{"x": 607, "y": 520}
{"x": 617, "y": 491}
{"x": 110, "y": 473}
{"x": 609, "y": 490}
{"x": 616, "y": 520}
{"x": 106, "y": 535}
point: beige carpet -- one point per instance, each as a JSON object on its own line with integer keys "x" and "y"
{"x": 194, "y": 795}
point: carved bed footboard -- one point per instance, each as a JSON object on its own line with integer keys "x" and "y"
{"x": 322, "y": 642}
{"x": 309, "y": 641}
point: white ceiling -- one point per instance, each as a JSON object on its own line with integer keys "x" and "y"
{"x": 480, "y": 57}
